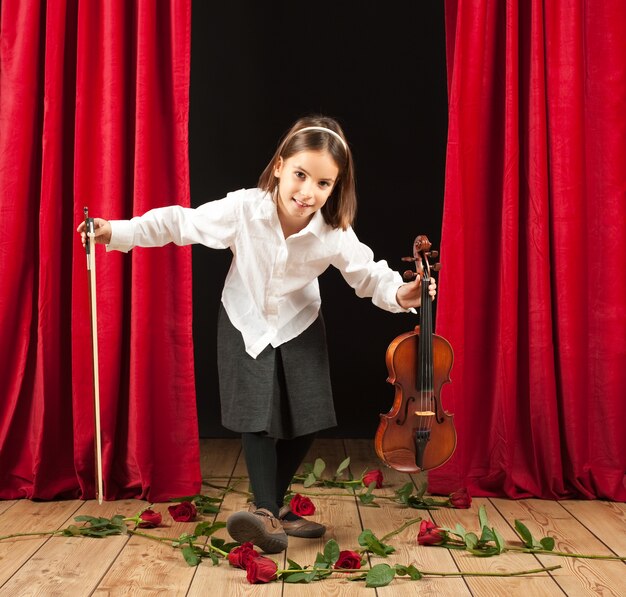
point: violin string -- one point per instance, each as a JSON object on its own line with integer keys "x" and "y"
{"x": 429, "y": 347}
{"x": 424, "y": 421}
{"x": 427, "y": 352}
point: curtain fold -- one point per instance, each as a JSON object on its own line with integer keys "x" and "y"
{"x": 534, "y": 248}
{"x": 93, "y": 112}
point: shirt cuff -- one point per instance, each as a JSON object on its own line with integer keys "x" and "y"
{"x": 121, "y": 236}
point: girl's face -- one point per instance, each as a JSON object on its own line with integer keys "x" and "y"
{"x": 305, "y": 181}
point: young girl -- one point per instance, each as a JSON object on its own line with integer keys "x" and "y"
{"x": 272, "y": 357}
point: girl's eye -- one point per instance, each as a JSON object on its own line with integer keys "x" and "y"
{"x": 299, "y": 174}
{"x": 324, "y": 183}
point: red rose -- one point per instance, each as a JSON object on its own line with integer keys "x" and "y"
{"x": 261, "y": 570}
{"x": 240, "y": 556}
{"x": 301, "y": 505}
{"x": 150, "y": 519}
{"x": 430, "y": 534}
{"x": 373, "y": 476}
{"x": 183, "y": 512}
{"x": 460, "y": 499}
{"x": 350, "y": 560}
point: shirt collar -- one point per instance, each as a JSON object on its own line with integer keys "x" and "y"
{"x": 266, "y": 208}
{"x": 317, "y": 225}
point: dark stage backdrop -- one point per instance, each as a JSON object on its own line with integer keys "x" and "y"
{"x": 381, "y": 72}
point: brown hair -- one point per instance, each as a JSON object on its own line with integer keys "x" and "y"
{"x": 340, "y": 209}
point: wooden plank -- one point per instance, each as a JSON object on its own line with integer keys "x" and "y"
{"x": 391, "y": 516}
{"x": 25, "y": 516}
{"x": 539, "y": 584}
{"x": 577, "y": 576}
{"x": 224, "y": 579}
{"x": 606, "y": 520}
{"x": 6, "y": 504}
{"x": 130, "y": 566}
{"x": 71, "y": 566}
{"x": 149, "y": 567}
{"x": 337, "y": 510}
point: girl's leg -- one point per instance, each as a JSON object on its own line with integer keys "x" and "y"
{"x": 260, "y": 453}
{"x": 261, "y": 526}
{"x": 290, "y": 453}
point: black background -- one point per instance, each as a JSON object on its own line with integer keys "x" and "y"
{"x": 379, "y": 68}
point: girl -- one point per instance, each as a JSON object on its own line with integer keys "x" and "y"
{"x": 272, "y": 357}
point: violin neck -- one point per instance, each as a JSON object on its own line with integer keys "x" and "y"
{"x": 426, "y": 339}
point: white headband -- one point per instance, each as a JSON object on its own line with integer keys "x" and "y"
{"x": 326, "y": 130}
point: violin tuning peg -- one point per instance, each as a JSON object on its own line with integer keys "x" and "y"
{"x": 433, "y": 254}
{"x": 409, "y": 259}
{"x": 436, "y": 267}
{"x": 409, "y": 275}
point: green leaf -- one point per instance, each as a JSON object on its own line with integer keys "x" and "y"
{"x": 343, "y": 466}
{"x": 310, "y": 480}
{"x": 368, "y": 499}
{"x": 459, "y": 530}
{"x": 185, "y": 498}
{"x": 214, "y": 559}
{"x": 320, "y": 561}
{"x": 485, "y": 551}
{"x": 524, "y": 533}
{"x": 419, "y": 504}
{"x": 331, "y": 552}
{"x": 499, "y": 541}
{"x": 318, "y": 467}
{"x": 482, "y": 517}
{"x": 296, "y": 577}
{"x": 402, "y": 495}
{"x": 421, "y": 490}
{"x": 380, "y": 576}
{"x": 487, "y": 535}
{"x": 471, "y": 540}
{"x": 362, "y": 576}
{"x": 90, "y": 519}
{"x": 368, "y": 540}
{"x": 207, "y": 528}
{"x": 221, "y": 544}
{"x": 190, "y": 556}
{"x": 547, "y": 543}
{"x": 411, "y": 571}
{"x": 293, "y": 565}
{"x": 186, "y": 537}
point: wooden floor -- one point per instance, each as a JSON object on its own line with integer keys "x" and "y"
{"x": 127, "y": 565}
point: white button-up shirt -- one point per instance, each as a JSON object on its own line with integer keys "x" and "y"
{"x": 271, "y": 292}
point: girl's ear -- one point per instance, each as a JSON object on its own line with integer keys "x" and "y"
{"x": 278, "y": 167}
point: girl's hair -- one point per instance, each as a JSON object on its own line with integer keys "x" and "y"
{"x": 340, "y": 209}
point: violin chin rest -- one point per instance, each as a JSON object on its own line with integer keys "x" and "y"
{"x": 402, "y": 460}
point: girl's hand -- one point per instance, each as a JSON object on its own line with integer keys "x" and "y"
{"x": 102, "y": 231}
{"x": 410, "y": 294}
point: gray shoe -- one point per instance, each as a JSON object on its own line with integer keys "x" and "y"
{"x": 260, "y": 527}
{"x": 300, "y": 527}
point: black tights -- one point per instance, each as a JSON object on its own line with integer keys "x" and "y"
{"x": 272, "y": 463}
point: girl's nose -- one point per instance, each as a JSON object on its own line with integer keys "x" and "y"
{"x": 307, "y": 190}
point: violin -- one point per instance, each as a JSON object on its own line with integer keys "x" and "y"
{"x": 417, "y": 434}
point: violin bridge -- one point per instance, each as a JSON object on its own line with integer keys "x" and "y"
{"x": 424, "y": 413}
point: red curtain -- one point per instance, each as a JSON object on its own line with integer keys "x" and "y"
{"x": 532, "y": 291}
{"x": 93, "y": 112}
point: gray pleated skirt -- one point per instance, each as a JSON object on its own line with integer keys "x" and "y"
{"x": 284, "y": 392}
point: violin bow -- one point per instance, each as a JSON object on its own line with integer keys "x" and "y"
{"x": 90, "y": 249}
